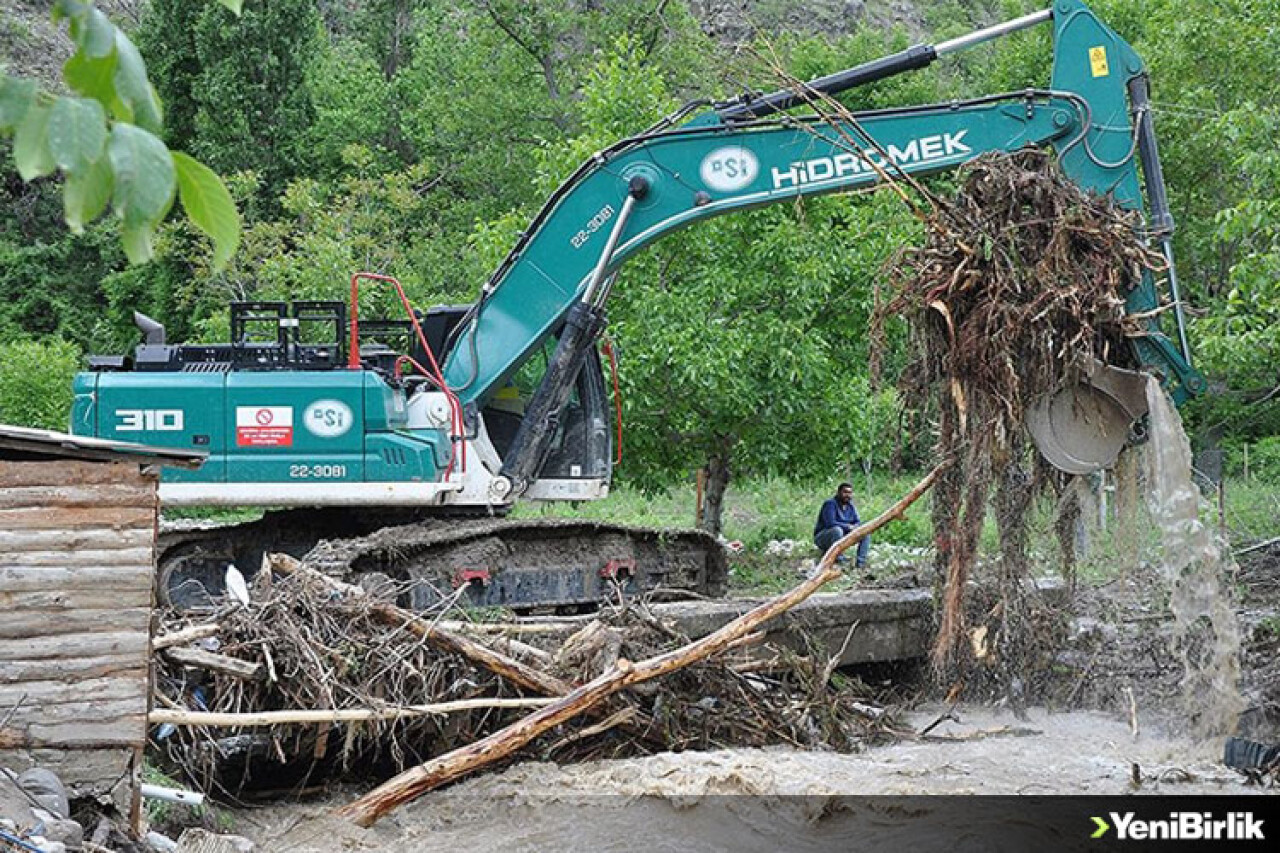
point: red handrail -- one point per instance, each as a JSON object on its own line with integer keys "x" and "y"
{"x": 456, "y": 423}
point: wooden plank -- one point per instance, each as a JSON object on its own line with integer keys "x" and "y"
{"x": 140, "y": 494}
{"x": 51, "y": 669}
{"x": 36, "y": 624}
{"x": 125, "y": 731}
{"x": 101, "y": 644}
{"x": 60, "y": 713}
{"x": 64, "y": 471}
{"x": 85, "y": 691}
{"x": 127, "y": 578}
{"x": 57, "y": 601}
{"x": 68, "y": 558}
{"x": 78, "y": 518}
{"x": 233, "y": 667}
{"x": 46, "y": 540}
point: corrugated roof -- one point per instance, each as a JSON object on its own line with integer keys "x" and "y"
{"x": 16, "y": 441}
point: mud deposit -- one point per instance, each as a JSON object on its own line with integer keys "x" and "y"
{"x": 773, "y": 798}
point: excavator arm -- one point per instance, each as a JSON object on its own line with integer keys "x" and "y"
{"x": 751, "y": 153}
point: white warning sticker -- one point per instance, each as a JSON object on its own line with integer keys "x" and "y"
{"x": 264, "y": 426}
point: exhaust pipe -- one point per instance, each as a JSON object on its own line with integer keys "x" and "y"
{"x": 152, "y": 331}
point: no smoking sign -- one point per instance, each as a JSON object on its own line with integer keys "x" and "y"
{"x": 264, "y": 426}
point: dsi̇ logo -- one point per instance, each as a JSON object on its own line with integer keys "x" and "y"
{"x": 728, "y": 169}
{"x": 328, "y": 418}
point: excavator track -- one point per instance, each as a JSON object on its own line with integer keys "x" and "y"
{"x": 476, "y": 562}
{"x": 526, "y": 564}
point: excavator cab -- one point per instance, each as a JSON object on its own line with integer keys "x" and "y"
{"x": 580, "y": 445}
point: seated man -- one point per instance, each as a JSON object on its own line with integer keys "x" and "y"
{"x": 836, "y": 518}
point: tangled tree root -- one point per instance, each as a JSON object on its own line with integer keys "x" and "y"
{"x": 1022, "y": 280}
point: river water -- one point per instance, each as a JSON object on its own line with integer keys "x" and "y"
{"x": 767, "y": 799}
{"x": 1197, "y": 568}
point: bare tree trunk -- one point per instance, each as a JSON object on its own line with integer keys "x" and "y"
{"x": 717, "y": 478}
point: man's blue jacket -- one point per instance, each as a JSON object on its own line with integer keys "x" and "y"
{"x": 833, "y": 514}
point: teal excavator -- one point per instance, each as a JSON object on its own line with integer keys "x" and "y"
{"x": 437, "y": 423}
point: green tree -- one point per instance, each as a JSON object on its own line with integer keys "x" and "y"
{"x": 241, "y": 83}
{"x": 35, "y": 382}
{"x": 102, "y": 139}
{"x": 1239, "y": 341}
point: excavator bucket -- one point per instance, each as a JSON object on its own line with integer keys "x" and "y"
{"x": 1083, "y": 427}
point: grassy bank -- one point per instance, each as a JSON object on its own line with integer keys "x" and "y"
{"x": 765, "y": 514}
{"x": 756, "y": 511}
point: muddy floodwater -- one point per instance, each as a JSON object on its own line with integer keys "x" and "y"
{"x": 766, "y": 799}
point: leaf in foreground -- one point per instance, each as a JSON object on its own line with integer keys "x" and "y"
{"x": 31, "y": 144}
{"x": 77, "y": 133}
{"x": 86, "y": 194}
{"x": 208, "y": 205}
{"x": 144, "y": 186}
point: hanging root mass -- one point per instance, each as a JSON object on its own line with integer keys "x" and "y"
{"x": 1021, "y": 281}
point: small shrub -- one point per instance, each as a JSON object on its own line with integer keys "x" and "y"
{"x": 1264, "y": 460}
{"x": 35, "y": 383}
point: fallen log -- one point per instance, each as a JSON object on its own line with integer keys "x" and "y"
{"x": 346, "y": 715}
{"x": 233, "y": 667}
{"x": 455, "y": 764}
{"x": 186, "y": 635}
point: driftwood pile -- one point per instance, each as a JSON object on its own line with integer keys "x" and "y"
{"x": 315, "y": 674}
{"x": 315, "y": 679}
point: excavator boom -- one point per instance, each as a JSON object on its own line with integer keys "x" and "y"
{"x": 1094, "y": 113}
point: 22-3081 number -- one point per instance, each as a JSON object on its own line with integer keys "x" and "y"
{"x": 317, "y": 472}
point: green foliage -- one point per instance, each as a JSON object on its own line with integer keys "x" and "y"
{"x": 238, "y": 84}
{"x": 416, "y": 137}
{"x": 353, "y": 104}
{"x": 368, "y": 220}
{"x": 209, "y": 205}
{"x": 35, "y": 382}
{"x": 103, "y": 142}
{"x": 1264, "y": 460}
